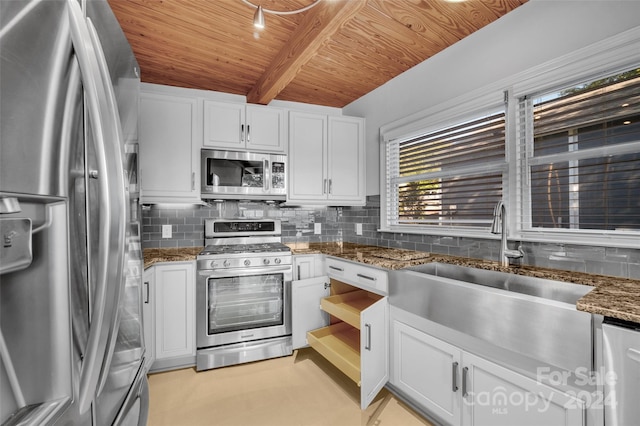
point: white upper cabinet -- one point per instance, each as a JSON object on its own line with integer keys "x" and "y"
{"x": 169, "y": 147}
{"x": 244, "y": 127}
{"x": 307, "y": 159}
{"x": 326, "y": 159}
{"x": 345, "y": 160}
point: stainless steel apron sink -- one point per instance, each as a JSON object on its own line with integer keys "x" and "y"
{"x": 531, "y": 316}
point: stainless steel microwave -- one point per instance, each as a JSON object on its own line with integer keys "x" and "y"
{"x": 243, "y": 175}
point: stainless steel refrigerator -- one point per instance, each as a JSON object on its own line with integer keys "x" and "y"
{"x": 71, "y": 341}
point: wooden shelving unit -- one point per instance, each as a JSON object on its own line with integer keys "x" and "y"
{"x": 340, "y": 342}
{"x": 340, "y": 345}
{"x": 348, "y": 306}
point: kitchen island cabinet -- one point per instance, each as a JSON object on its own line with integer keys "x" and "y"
{"x": 326, "y": 160}
{"x": 169, "y": 145}
{"x": 460, "y": 388}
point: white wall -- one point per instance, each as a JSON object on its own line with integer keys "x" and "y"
{"x": 534, "y": 33}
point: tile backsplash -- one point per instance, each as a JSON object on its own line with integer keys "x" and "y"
{"x": 187, "y": 222}
{"x": 339, "y": 224}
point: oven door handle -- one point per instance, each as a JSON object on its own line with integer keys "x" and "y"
{"x": 241, "y": 272}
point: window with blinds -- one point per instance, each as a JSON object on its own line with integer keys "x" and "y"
{"x": 582, "y": 156}
{"x": 447, "y": 178}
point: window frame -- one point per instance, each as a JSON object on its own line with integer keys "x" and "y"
{"x": 607, "y": 57}
{"x": 527, "y": 160}
{"x": 467, "y": 170}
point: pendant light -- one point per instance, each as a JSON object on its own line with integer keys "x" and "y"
{"x": 258, "y": 17}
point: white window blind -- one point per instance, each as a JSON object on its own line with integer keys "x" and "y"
{"x": 447, "y": 178}
{"x": 582, "y": 156}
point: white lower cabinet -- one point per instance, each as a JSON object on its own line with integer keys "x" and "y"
{"x": 305, "y": 308}
{"x": 347, "y": 325}
{"x": 308, "y": 266}
{"x": 148, "y": 320}
{"x": 460, "y": 388}
{"x": 174, "y": 295}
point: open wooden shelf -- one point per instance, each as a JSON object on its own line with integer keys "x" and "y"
{"x": 339, "y": 344}
{"x": 348, "y": 306}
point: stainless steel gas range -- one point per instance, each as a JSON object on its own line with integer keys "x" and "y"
{"x": 243, "y": 293}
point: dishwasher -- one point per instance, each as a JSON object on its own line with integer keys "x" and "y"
{"x": 621, "y": 344}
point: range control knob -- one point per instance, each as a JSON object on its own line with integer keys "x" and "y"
{"x": 266, "y": 261}
{"x": 247, "y": 262}
{"x": 226, "y": 263}
{"x": 277, "y": 260}
{"x": 213, "y": 264}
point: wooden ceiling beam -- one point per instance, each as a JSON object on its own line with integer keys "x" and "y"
{"x": 319, "y": 24}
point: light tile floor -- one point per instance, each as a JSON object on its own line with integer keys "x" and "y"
{"x": 303, "y": 389}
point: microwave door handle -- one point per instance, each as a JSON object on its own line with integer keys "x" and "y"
{"x": 267, "y": 175}
{"x": 112, "y": 208}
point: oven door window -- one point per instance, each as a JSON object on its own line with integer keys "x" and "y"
{"x": 245, "y": 302}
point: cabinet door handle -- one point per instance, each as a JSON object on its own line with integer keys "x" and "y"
{"x": 242, "y": 133}
{"x": 146, "y": 298}
{"x": 465, "y": 372}
{"x": 248, "y": 133}
{"x": 266, "y": 174}
{"x": 366, "y": 277}
{"x": 454, "y": 377}
{"x": 336, "y": 268}
{"x": 367, "y": 344}
{"x": 330, "y": 186}
{"x": 299, "y": 272}
{"x": 324, "y": 186}
{"x": 193, "y": 181}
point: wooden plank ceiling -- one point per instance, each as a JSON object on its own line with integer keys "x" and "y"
{"x": 331, "y": 54}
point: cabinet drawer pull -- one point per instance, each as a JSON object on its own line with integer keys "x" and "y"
{"x": 336, "y": 268}
{"x": 454, "y": 377}
{"x": 146, "y": 298}
{"x": 366, "y": 277}
{"x": 367, "y": 344}
{"x": 465, "y": 372}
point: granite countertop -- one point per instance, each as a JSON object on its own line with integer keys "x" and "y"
{"x": 382, "y": 257}
{"x": 612, "y": 296}
{"x": 152, "y": 256}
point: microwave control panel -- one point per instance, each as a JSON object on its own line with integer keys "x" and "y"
{"x": 277, "y": 174}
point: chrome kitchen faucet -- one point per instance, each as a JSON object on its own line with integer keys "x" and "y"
{"x": 499, "y": 226}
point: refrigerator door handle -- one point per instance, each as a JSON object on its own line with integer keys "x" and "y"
{"x": 113, "y": 211}
{"x": 117, "y": 195}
